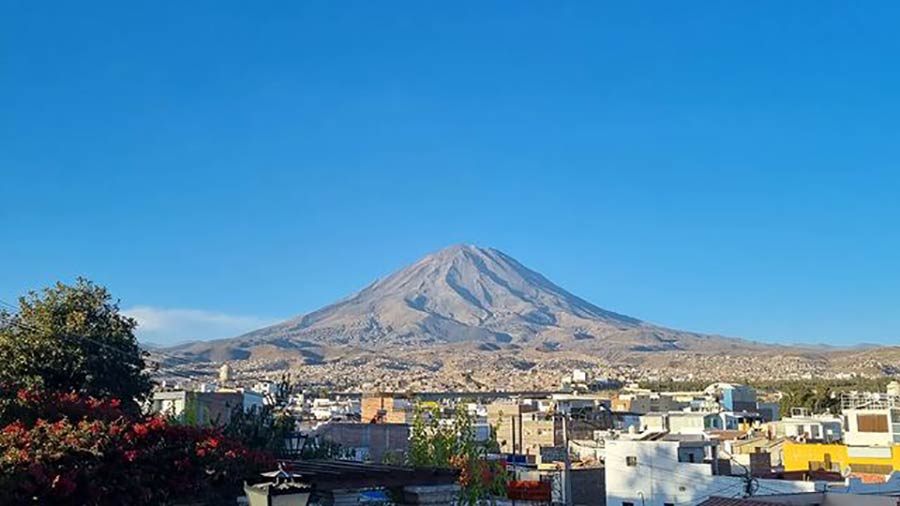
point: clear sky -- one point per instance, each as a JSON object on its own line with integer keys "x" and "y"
{"x": 729, "y": 167}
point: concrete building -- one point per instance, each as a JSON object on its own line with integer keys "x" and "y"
{"x": 647, "y": 402}
{"x": 871, "y": 419}
{"x": 826, "y": 498}
{"x": 733, "y": 397}
{"x": 666, "y": 473}
{"x": 679, "y": 422}
{"x": 387, "y": 408}
{"x": 839, "y": 458}
{"x": 196, "y": 408}
{"x": 740, "y": 420}
{"x": 893, "y": 388}
{"x": 529, "y": 433}
{"x": 808, "y": 429}
{"x": 742, "y": 450}
{"x": 367, "y": 442}
{"x": 850, "y": 492}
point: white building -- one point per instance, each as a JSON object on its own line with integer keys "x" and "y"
{"x": 805, "y": 428}
{"x": 680, "y": 422}
{"x": 871, "y": 419}
{"x": 579, "y": 376}
{"x": 667, "y": 473}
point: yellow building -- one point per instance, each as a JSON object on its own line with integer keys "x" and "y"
{"x": 833, "y": 457}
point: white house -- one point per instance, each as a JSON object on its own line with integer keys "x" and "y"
{"x": 681, "y": 422}
{"x": 818, "y": 428}
{"x": 668, "y": 473}
{"x": 871, "y": 419}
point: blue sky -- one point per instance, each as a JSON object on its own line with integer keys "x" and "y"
{"x": 726, "y": 167}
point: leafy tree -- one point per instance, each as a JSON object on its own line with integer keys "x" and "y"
{"x": 260, "y": 429}
{"x": 437, "y": 442}
{"x": 815, "y": 397}
{"x": 73, "y": 338}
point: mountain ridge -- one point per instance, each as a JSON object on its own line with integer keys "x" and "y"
{"x": 463, "y": 294}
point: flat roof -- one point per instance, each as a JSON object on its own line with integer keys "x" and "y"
{"x": 341, "y": 474}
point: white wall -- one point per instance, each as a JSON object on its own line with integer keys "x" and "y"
{"x": 693, "y": 424}
{"x": 853, "y": 437}
{"x": 658, "y": 478}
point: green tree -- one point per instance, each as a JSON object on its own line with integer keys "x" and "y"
{"x": 73, "y": 338}
{"x": 451, "y": 443}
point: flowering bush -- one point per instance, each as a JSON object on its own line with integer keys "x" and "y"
{"x": 453, "y": 445}
{"x": 67, "y": 449}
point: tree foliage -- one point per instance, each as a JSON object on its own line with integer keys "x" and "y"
{"x": 73, "y": 338}
{"x": 451, "y": 443}
{"x": 261, "y": 429}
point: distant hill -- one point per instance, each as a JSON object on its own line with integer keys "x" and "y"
{"x": 478, "y": 297}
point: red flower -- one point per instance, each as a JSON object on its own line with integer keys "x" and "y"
{"x": 140, "y": 429}
{"x": 15, "y": 428}
{"x": 130, "y": 455}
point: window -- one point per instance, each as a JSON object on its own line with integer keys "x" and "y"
{"x": 631, "y": 461}
{"x": 872, "y": 423}
{"x": 627, "y": 503}
{"x": 668, "y": 504}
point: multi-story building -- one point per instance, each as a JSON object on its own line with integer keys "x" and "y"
{"x": 861, "y": 460}
{"x": 733, "y": 397}
{"x": 802, "y": 427}
{"x": 871, "y": 419}
{"x": 668, "y": 473}
{"x": 387, "y": 408}
{"x": 367, "y": 442}
{"x": 196, "y": 408}
{"x": 681, "y": 422}
{"x": 647, "y": 402}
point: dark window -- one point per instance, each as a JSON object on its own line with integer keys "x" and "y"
{"x": 631, "y": 461}
{"x": 626, "y": 503}
{"x": 668, "y": 504}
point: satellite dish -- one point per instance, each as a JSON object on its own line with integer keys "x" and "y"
{"x": 845, "y": 472}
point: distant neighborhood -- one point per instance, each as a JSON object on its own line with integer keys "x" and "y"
{"x": 592, "y": 441}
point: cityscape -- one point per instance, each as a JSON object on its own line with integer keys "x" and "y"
{"x": 449, "y": 254}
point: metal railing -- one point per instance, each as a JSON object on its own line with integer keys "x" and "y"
{"x": 869, "y": 400}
